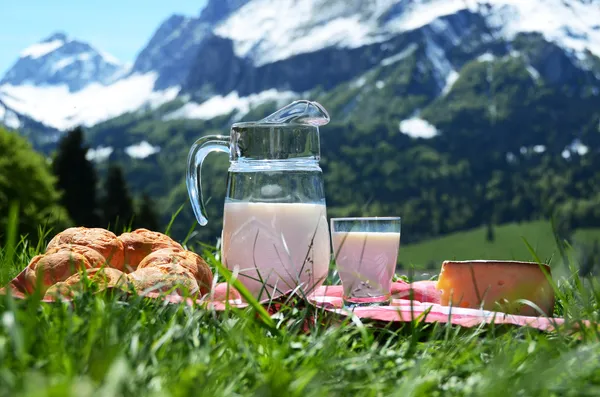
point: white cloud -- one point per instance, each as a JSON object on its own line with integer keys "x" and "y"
{"x": 220, "y": 105}
{"x": 57, "y": 107}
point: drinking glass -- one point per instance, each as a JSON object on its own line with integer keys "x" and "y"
{"x": 365, "y": 253}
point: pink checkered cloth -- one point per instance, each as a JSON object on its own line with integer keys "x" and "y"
{"x": 425, "y": 307}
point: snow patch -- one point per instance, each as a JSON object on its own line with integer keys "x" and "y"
{"x": 418, "y": 128}
{"x": 535, "y": 75}
{"x": 442, "y": 68}
{"x": 400, "y": 56}
{"x": 220, "y": 105}
{"x": 99, "y": 154}
{"x": 285, "y": 40}
{"x": 570, "y": 24}
{"x": 515, "y": 54}
{"x": 40, "y": 49}
{"x": 9, "y": 118}
{"x": 577, "y": 147}
{"x": 141, "y": 150}
{"x": 421, "y": 13}
{"x": 539, "y": 148}
{"x": 57, "y": 107}
{"x": 359, "y": 82}
{"x": 265, "y": 33}
{"x": 108, "y": 57}
{"x": 510, "y": 157}
{"x": 62, "y": 63}
{"x": 486, "y": 57}
{"x": 450, "y": 80}
{"x": 523, "y": 150}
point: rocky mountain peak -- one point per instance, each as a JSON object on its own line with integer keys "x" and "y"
{"x": 59, "y": 60}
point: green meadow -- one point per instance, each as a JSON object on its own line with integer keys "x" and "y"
{"x": 107, "y": 345}
{"x": 508, "y": 244}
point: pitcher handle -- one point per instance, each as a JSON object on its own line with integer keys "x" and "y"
{"x": 200, "y": 149}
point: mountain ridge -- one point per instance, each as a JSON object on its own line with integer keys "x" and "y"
{"x": 59, "y": 59}
{"x": 201, "y": 58}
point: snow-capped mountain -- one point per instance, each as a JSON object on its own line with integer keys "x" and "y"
{"x": 40, "y": 136}
{"x": 174, "y": 46}
{"x": 8, "y": 117}
{"x": 265, "y": 33}
{"x": 299, "y": 45}
{"x": 62, "y": 82}
{"x": 60, "y": 60}
{"x": 172, "y": 49}
{"x": 239, "y": 51}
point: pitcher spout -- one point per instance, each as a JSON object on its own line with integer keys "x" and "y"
{"x": 299, "y": 112}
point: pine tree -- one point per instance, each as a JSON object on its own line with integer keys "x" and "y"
{"x": 27, "y": 182}
{"x": 595, "y": 256}
{"x": 489, "y": 234}
{"x": 590, "y": 260}
{"x": 76, "y": 178}
{"x": 146, "y": 216}
{"x": 117, "y": 205}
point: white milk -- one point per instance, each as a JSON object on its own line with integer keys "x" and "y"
{"x": 370, "y": 276}
{"x": 284, "y": 241}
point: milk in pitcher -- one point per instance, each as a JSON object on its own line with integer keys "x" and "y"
{"x": 276, "y": 246}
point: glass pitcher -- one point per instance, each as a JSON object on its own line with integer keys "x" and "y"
{"x": 275, "y": 229}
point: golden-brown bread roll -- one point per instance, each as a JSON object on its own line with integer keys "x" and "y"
{"x": 59, "y": 290}
{"x": 168, "y": 277}
{"x": 94, "y": 257}
{"x": 102, "y": 278}
{"x": 101, "y": 240}
{"x": 189, "y": 260}
{"x": 47, "y": 269}
{"x": 141, "y": 242}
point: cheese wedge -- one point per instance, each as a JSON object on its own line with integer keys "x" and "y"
{"x": 496, "y": 285}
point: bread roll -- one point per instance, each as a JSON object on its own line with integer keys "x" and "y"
{"x": 94, "y": 257}
{"x": 59, "y": 290}
{"x": 101, "y": 240}
{"x": 47, "y": 269}
{"x": 141, "y": 242}
{"x": 171, "y": 278}
{"x": 189, "y": 260}
{"x": 102, "y": 278}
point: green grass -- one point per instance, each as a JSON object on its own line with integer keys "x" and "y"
{"x": 508, "y": 245}
{"x": 103, "y": 346}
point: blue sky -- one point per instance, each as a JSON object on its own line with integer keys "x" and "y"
{"x": 119, "y": 27}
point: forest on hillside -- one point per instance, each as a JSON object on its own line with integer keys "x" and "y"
{"x": 511, "y": 146}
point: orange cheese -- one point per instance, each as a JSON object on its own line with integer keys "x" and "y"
{"x": 496, "y": 285}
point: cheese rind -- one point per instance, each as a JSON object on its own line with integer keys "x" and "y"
{"x": 496, "y": 285}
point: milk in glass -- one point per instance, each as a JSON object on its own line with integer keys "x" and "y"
{"x": 366, "y": 261}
